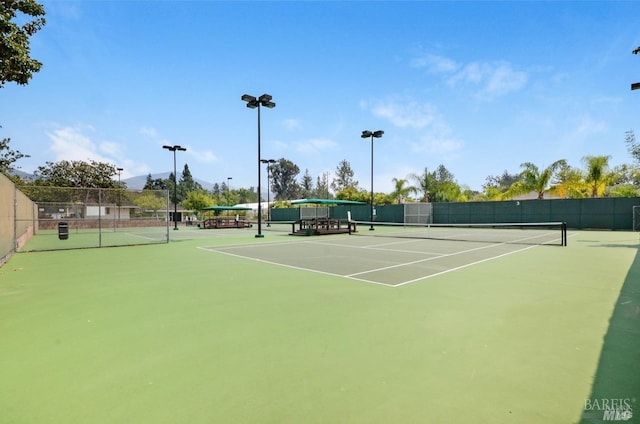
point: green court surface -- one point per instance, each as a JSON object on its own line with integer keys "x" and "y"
{"x": 219, "y": 326}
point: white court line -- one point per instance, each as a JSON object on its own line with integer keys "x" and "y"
{"x": 463, "y": 266}
{"x": 296, "y": 267}
{"x": 427, "y": 259}
{"x": 145, "y": 237}
{"x": 353, "y": 276}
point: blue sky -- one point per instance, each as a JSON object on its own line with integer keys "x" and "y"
{"x": 479, "y": 87}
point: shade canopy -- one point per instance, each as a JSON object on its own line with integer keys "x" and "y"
{"x": 326, "y": 202}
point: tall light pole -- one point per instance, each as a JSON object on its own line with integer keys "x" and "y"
{"x": 174, "y": 149}
{"x": 268, "y": 162}
{"x": 229, "y": 189}
{"x": 119, "y": 188}
{"x": 252, "y": 103}
{"x": 372, "y": 134}
{"x": 635, "y": 85}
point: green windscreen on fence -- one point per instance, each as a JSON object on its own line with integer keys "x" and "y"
{"x": 599, "y": 213}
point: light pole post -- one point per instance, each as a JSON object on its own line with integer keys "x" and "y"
{"x": 229, "y": 190}
{"x": 252, "y": 103}
{"x": 635, "y": 85}
{"x": 268, "y": 162}
{"x": 175, "y": 183}
{"x": 372, "y": 135}
{"x": 119, "y": 188}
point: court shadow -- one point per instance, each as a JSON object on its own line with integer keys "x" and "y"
{"x": 615, "y": 393}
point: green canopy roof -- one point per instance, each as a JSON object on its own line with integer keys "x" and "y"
{"x": 226, "y": 208}
{"x": 326, "y": 202}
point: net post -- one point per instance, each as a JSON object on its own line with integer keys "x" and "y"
{"x": 564, "y": 234}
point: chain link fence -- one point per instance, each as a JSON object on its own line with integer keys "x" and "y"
{"x": 71, "y": 218}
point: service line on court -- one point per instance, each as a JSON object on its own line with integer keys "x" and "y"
{"x": 463, "y": 266}
{"x": 440, "y": 256}
{"x": 295, "y": 267}
{"x": 355, "y": 276}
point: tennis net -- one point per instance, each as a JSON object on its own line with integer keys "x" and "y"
{"x": 532, "y": 233}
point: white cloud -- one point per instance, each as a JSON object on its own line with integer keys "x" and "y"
{"x": 291, "y": 124}
{"x": 408, "y": 114}
{"x": 587, "y": 126}
{"x": 202, "y": 156}
{"x": 435, "y": 64}
{"x": 148, "y": 132}
{"x": 72, "y": 143}
{"x": 437, "y": 144}
{"x": 493, "y": 79}
{"x": 316, "y": 145}
{"x": 502, "y": 80}
{"x": 110, "y": 148}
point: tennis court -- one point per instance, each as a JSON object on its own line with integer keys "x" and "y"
{"x": 395, "y": 255}
{"x": 220, "y": 326}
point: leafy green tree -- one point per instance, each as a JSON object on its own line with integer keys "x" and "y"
{"x": 438, "y": 186}
{"x": 344, "y": 177}
{"x": 155, "y": 183}
{"x": 569, "y": 183}
{"x": 16, "y": 64}
{"x": 196, "y": 200}
{"x": 306, "y": 185}
{"x": 187, "y": 184}
{"x": 632, "y": 145}
{"x": 150, "y": 201}
{"x": 597, "y": 175}
{"x": 322, "y": 187}
{"x": 355, "y": 194}
{"x": 216, "y": 191}
{"x": 171, "y": 186}
{"x": 246, "y": 195}
{"x": 77, "y": 173}
{"x": 283, "y": 180}
{"x": 495, "y": 186}
{"x": 534, "y": 179}
{"x": 624, "y": 190}
{"x": 8, "y": 156}
{"x": 401, "y": 191}
{"x": 426, "y": 184}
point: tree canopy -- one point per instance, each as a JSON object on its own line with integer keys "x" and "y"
{"x": 344, "y": 177}
{"x": 8, "y": 156}
{"x": 283, "y": 179}
{"x": 16, "y": 64}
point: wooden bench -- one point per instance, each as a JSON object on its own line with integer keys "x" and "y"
{"x": 322, "y": 226}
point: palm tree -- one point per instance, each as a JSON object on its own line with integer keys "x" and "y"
{"x": 426, "y": 183}
{"x": 401, "y": 192}
{"x": 597, "y": 175}
{"x": 570, "y": 183}
{"x": 533, "y": 179}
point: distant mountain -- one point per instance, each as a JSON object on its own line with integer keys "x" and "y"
{"x": 25, "y": 176}
{"x": 138, "y": 182}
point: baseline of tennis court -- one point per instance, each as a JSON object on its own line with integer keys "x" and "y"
{"x": 386, "y": 261}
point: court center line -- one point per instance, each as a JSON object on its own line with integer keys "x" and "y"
{"x": 427, "y": 259}
{"x": 296, "y": 267}
{"x": 462, "y": 266}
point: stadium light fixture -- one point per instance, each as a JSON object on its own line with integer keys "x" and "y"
{"x": 372, "y": 135}
{"x": 252, "y": 103}
{"x": 175, "y": 149}
{"x": 268, "y": 162}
